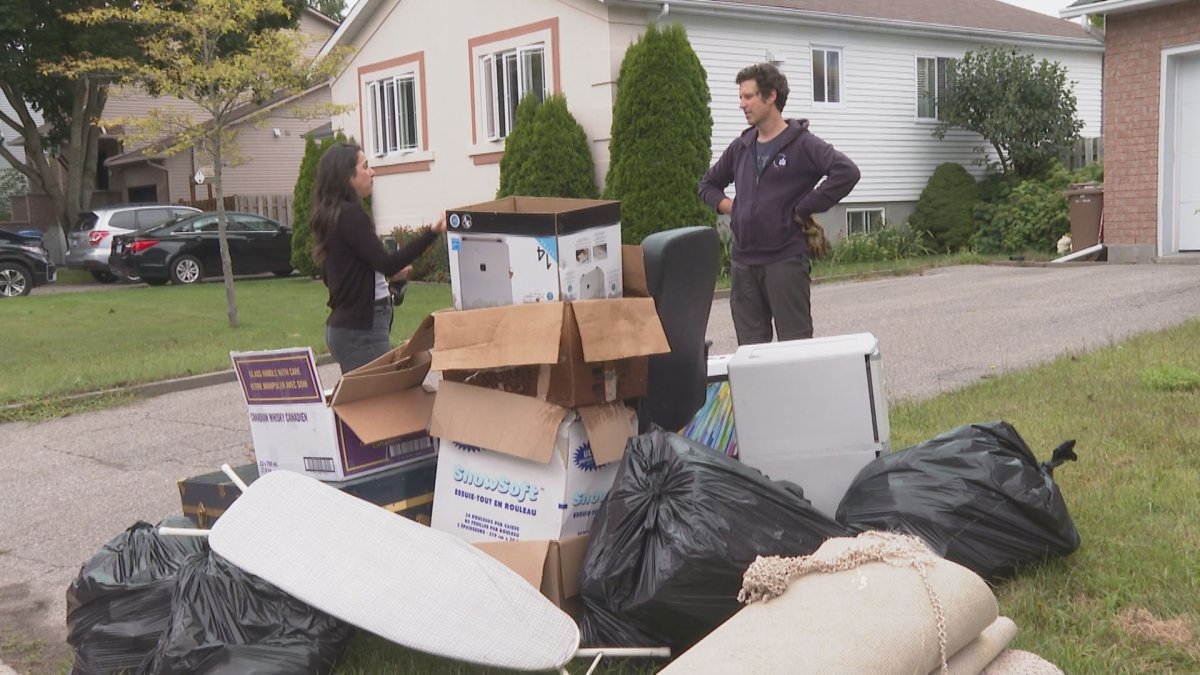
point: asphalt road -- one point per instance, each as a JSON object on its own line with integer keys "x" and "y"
{"x": 71, "y": 484}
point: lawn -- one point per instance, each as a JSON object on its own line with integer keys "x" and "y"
{"x": 71, "y": 343}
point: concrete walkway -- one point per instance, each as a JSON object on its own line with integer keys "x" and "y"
{"x": 72, "y": 484}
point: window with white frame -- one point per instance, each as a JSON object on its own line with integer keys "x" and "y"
{"x": 827, "y": 75}
{"x": 392, "y": 105}
{"x": 505, "y": 78}
{"x": 863, "y": 221}
{"x": 935, "y": 75}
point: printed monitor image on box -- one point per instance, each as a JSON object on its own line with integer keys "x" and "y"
{"x": 521, "y": 250}
{"x": 543, "y": 479}
{"x": 294, "y": 427}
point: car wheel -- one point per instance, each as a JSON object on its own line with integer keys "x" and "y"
{"x": 15, "y": 280}
{"x": 186, "y": 270}
{"x": 282, "y": 273}
{"x": 155, "y": 281}
{"x": 104, "y": 277}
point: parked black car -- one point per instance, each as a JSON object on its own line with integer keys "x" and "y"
{"x": 186, "y": 251}
{"x": 23, "y": 264}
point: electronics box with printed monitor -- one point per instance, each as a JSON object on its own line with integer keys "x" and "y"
{"x": 521, "y": 250}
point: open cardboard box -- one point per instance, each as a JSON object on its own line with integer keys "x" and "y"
{"x": 571, "y": 354}
{"x": 552, "y": 566}
{"x": 517, "y": 468}
{"x": 376, "y": 418}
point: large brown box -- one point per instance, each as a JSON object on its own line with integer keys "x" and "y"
{"x": 571, "y": 354}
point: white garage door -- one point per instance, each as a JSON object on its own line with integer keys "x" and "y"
{"x": 1187, "y": 187}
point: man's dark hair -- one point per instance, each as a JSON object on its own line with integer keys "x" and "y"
{"x": 769, "y": 79}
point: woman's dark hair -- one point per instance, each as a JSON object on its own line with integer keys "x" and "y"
{"x": 769, "y": 79}
{"x": 332, "y": 191}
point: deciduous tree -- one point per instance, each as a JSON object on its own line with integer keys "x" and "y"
{"x": 61, "y": 156}
{"x": 1024, "y": 108}
{"x": 222, "y": 55}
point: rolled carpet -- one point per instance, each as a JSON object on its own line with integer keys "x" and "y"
{"x": 877, "y": 603}
{"x": 972, "y": 659}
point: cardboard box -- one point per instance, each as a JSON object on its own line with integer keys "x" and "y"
{"x": 404, "y": 490}
{"x": 516, "y": 468}
{"x": 376, "y": 418}
{"x": 520, "y": 250}
{"x": 571, "y": 354}
{"x": 552, "y": 566}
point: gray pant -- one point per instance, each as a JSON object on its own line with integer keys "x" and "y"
{"x": 780, "y": 291}
{"x": 352, "y": 347}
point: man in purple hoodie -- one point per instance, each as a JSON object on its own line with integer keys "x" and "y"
{"x": 775, "y": 166}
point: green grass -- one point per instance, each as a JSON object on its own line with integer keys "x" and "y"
{"x": 1129, "y": 600}
{"x": 63, "y": 344}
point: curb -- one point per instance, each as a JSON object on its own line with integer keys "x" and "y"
{"x": 149, "y": 389}
{"x": 187, "y": 383}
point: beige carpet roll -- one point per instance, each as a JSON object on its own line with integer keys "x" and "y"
{"x": 972, "y": 659}
{"x": 1017, "y": 662}
{"x": 868, "y": 616}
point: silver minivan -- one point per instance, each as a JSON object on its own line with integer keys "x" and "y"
{"x": 90, "y": 240}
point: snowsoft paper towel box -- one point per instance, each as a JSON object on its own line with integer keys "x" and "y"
{"x": 516, "y": 468}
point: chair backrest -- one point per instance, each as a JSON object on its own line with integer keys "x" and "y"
{"x": 681, "y": 273}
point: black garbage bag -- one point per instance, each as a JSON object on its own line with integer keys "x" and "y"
{"x": 670, "y": 543}
{"x": 119, "y": 603}
{"x": 225, "y": 621}
{"x": 975, "y": 494}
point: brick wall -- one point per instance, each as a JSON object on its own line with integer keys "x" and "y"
{"x": 1132, "y": 70}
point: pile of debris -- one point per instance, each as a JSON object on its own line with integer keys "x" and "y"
{"x": 508, "y": 437}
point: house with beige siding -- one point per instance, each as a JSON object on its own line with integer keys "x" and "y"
{"x": 435, "y": 98}
{"x": 1151, "y": 126}
{"x": 270, "y": 146}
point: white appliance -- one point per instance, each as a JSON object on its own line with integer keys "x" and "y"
{"x": 811, "y": 411}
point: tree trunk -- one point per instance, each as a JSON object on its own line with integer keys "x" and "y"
{"x": 222, "y": 228}
{"x": 82, "y": 149}
{"x": 78, "y": 157}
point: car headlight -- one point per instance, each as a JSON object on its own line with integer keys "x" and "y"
{"x": 32, "y": 249}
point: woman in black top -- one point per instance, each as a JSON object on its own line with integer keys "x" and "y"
{"x": 355, "y": 266}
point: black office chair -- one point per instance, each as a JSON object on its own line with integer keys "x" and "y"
{"x": 681, "y": 273}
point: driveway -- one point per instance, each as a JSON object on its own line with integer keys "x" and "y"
{"x": 71, "y": 484}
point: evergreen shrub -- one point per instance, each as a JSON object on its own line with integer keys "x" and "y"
{"x": 661, "y": 135}
{"x": 945, "y": 208}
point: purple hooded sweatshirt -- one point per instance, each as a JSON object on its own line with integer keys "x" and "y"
{"x": 763, "y": 228}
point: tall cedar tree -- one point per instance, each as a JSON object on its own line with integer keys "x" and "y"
{"x": 516, "y": 147}
{"x": 302, "y": 202}
{"x": 661, "y": 135}
{"x": 550, "y": 157}
{"x": 1024, "y": 108}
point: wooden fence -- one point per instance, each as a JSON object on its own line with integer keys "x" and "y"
{"x": 1086, "y": 151}
{"x": 276, "y": 207}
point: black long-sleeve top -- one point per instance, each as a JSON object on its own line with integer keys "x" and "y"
{"x": 353, "y": 254}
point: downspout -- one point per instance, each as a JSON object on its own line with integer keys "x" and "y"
{"x": 666, "y": 7}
